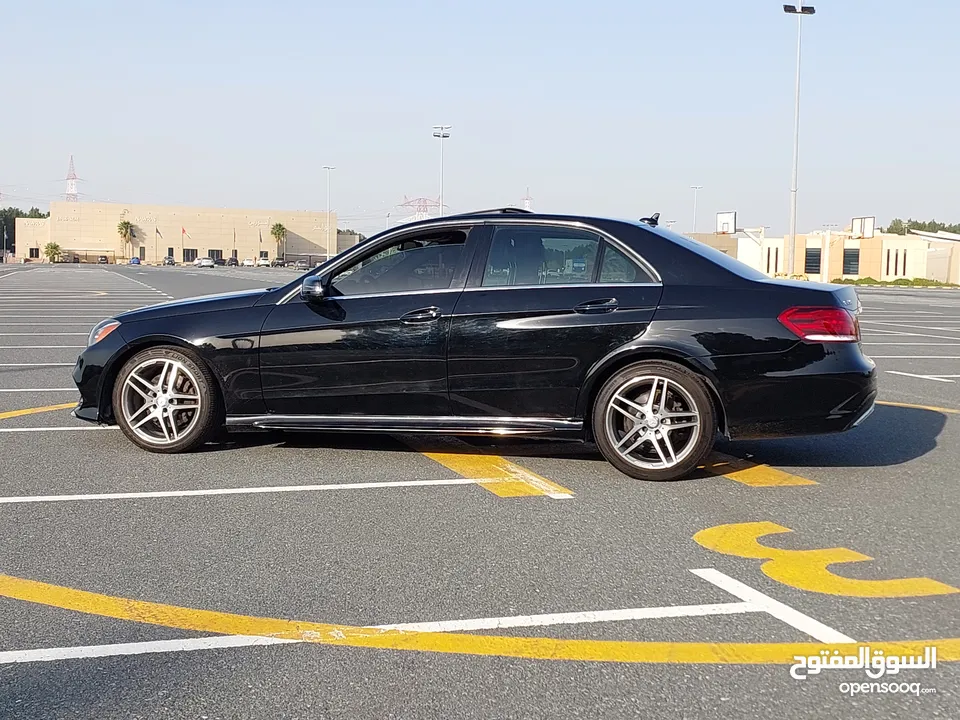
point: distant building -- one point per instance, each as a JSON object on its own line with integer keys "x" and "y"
{"x": 826, "y": 256}
{"x": 88, "y": 230}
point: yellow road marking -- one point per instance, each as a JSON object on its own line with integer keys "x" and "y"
{"x": 807, "y": 569}
{"x": 33, "y": 411}
{"x": 494, "y": 473}
{"x": 539, "y": 648}
{"x": 934, "y": 408}
{"x": 748, "y": 473}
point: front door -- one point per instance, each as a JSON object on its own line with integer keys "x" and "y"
{"x": 377, "y": 345}
{"x": 543, "y": 306}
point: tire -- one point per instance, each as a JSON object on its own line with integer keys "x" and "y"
{"x": 194, "y": 389}
{"x": 626, "y": 428}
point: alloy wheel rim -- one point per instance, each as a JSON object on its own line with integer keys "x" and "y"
{"x": 161, "y": 401}
{"x": 653, "y": 422}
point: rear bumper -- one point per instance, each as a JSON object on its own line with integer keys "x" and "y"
{"x": 831, "y": 394}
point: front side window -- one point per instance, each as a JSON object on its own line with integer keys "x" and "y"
{"x": 529, "y": 255}
{"x": 421, "y": 262}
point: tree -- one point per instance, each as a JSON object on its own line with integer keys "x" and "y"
{"x": 279, "y": 233}
{"x": 900, "y": 227}
{"x": 125, "y": 229}
{"x": 52, "y": 251}
{"x": 8, "y": 222}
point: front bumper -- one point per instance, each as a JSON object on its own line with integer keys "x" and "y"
{"x": 91, "y": 375}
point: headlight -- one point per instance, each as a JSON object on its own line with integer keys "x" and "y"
{"x": 101, "y": 330}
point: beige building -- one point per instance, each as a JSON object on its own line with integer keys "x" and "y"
{"x": 831, "y": 255}
{"x": 89, "y": 230}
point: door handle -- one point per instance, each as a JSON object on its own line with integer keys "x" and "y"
{"x": 597, "y": 306}
{"x": 420, "y": 316}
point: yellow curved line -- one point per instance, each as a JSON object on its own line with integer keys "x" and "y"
{"x": 934, "y": 408}
{"x": 539, "y": 648}
{"x": 33, "y": 411}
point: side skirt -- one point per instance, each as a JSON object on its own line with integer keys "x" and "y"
{"x": 443, "y": 425}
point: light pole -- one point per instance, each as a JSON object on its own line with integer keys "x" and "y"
{"x": 799, "y": 11}
{"x": 328, "y": 168}
{"x": 388, "y": 221}
{"x": 441, "y": 133}
{"x": 696, "y": 189}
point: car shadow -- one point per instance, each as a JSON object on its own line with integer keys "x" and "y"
{"x": 891, "y": 436}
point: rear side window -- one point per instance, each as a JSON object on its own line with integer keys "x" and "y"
{"x": 532, "y": 255}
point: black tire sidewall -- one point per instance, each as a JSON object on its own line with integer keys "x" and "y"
{"x": 209, "y": 420}
{"x": 692, "y": 383}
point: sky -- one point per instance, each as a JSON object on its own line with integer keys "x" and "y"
{"x": 612, "y": 107}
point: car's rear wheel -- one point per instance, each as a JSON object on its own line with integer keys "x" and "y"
{"x": 654, "y": 420}
{"x": 165, "y": 401}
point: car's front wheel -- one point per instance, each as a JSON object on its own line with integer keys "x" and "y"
{"x": 165, "y": 401}
{"x": 654, "y": 420}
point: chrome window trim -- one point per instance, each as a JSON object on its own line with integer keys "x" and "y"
{"x": 559, "y": 285}
{"x": 467, "y": 221}
{"x": 619, "y": 244}
{"x": 385, "y": 239}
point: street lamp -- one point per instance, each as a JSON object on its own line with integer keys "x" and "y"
{"x": 328, "y": 168}
{"x": 441, "y": 133}
{"x": 799, "y": 11}
{"x": 695, "y": 188}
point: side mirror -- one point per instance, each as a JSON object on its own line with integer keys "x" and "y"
{"x": 314, "y": 288}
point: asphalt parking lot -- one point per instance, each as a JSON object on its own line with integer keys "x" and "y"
{"x": 529, "y": 579}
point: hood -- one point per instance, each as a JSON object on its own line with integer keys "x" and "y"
{"x": 202, "y": 303}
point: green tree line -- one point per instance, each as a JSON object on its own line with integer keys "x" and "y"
{"x": 900, "y": 227}
{"x": 8, "y": 222}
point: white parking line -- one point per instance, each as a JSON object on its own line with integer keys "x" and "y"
{"x": 41, "y": 347}
{"x": 752, "y": 601}
{"x": 37, "y": 364}
{"x": 29, "y": 390}
{"x": 937, "y": 378}
{"x": 14, "y": 500}
{"x": 784, "y": 613}
{"x": 901, "y": 344}
{"x": 576, "y": 618}
{"x": 39, "y": 334}
{"x": 911, "y": 325}
{"x": 915, "y": 357}
{"x": 137, "y": 648}
{"x": 58, "y": 429}
{"x": 897, "y": 333}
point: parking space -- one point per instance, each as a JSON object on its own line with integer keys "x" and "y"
{"x": 296, "y": 575}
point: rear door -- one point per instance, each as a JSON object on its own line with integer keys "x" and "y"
{"x": 543, "y": 303}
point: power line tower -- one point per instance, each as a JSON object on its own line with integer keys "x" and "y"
{"x": 528, "y": 201}
{"x": 71, "y": 195}
{"x": 421, "y": 207}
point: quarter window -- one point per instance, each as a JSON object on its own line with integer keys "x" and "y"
{"x": 422, "y": 262}
{"x": 618, "y": 268}
{"x": 525, "y": 255}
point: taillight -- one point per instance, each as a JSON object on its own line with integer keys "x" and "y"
{"x": 821, "y": 324}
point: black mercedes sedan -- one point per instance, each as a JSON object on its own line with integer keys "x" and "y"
{"x": 501, "y": 322}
